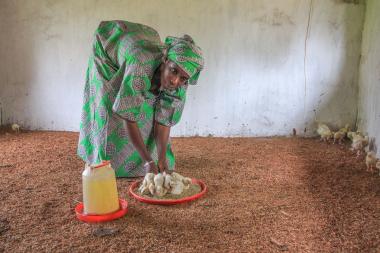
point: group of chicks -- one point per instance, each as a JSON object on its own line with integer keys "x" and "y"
{"x": 163, "y": 183}
{"x": 359, "y": 142}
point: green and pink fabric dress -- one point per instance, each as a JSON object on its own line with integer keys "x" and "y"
{"x": 124, "y": 58}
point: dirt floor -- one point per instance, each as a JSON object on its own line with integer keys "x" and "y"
{"x": 265, "y": 195}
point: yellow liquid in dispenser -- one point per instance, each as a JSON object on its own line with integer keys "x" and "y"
{"x": 99, "y": 190}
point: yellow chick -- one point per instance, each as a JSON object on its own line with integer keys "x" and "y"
{"x": 15, "y": 128}
{"x": 345, "y": 129}
{"x": 185, "y": 180}
{"x": 324, "y": 131}
{"x": 350, "y": 135}
{"x": 339, "y": 136}
{"x": 359, "y": 143}
{"x": 148, "y": 180}
{"x": 167, "y": 181}
{"x": 370, "y": 161}
{"x": 159, "y": 184}
{"x": 378, "y": 166}
{"x": 176, "y": 187}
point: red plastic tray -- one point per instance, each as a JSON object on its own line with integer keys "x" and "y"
{"x": 102, "y": 218}
{"x": 135, "y": 184}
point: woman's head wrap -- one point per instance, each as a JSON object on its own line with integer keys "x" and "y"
{"x": 186, "y": 55}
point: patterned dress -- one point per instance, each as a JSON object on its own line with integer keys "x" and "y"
{"x": 118, "y": 86}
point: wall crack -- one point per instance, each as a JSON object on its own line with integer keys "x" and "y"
{"x": 304, "y": 62}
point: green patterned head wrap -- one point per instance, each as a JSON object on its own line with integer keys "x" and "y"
{"x": 186, "y": 55}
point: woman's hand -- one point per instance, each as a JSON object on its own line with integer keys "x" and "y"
{"x": 161, "y": 136}
{"x": 162, "y": 165}
{"x": 151, "y": 167}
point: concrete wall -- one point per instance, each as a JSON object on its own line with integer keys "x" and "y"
{"x": 269, "y": 64}
{"x": 369, "y": 78}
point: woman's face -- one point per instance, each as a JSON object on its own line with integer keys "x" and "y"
{"x": 172, "y": 76}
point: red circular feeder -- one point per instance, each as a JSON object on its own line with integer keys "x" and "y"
{"x": 102, "y": 218}
{"x": 135, "y": 184}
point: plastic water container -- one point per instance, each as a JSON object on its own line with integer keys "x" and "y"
{"x": 99, "y": 189}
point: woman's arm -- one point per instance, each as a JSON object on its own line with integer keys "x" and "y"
{"x": 137, "y": 141}
{"x": 161, "y": 134}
